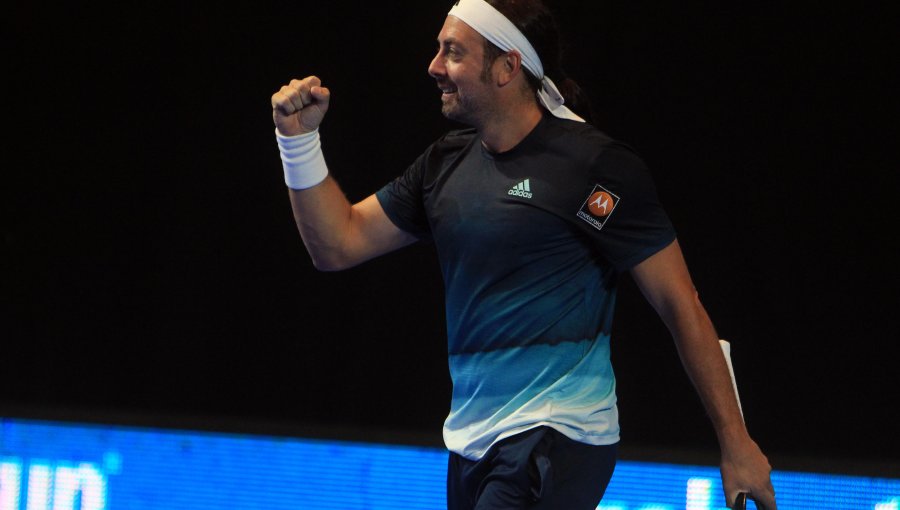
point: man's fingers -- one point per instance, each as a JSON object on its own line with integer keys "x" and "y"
{"x": 289, "y": 103}
{"x": 291, "y": 94}
{"x": 764, "y": 498}
{"x": 282, "y": 103}
{"x": 766, "y": 501}
{"x": 310, "y": 83}
{"x": 295, "y": 98}
{"x": 320, "y": 94}
{"x": 304, "y": 89}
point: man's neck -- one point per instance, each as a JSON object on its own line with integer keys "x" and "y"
{"x": 510, "y": 127}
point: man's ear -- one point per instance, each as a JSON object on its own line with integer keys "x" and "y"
{"x": 511, "y": 66}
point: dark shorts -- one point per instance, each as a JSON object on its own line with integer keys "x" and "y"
{"x": 537, "y": 469}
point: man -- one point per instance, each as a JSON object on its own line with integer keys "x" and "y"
{"x": 534, "y": 214}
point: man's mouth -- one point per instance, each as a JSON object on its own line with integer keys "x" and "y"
{"x": 447, "y": 91}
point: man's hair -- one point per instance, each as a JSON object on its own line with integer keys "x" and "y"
{"x": 538, "y": 25}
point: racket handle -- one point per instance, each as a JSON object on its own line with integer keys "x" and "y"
{"x": 726, "y": 351}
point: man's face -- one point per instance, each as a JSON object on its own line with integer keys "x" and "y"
{"x": 457, "y": 67}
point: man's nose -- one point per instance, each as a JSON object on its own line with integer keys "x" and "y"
{"x": 436, "y": 67}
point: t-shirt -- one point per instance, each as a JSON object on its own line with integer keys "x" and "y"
{"x": 530, "y": 242}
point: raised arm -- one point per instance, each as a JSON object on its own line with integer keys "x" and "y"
{"x": 665, "y": 282}
{"x": 337, "y": 234}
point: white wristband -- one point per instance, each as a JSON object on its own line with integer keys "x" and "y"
{"x": 302, "y": 159}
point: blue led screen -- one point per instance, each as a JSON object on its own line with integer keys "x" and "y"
{"x": 61, "y": 466}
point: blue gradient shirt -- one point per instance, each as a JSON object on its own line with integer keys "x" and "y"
{"x": 531, "y": 242}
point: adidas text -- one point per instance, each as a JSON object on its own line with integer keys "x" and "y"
{"x": 523, "y": 189}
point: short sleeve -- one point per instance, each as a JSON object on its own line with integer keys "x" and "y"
{"x": 623, "y": 214}
{"x": 403, "y": 200}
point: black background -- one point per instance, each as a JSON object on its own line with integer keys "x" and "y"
{"x": 151, "y": 265}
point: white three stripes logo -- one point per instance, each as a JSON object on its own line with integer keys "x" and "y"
{"x": 523, "y": 189}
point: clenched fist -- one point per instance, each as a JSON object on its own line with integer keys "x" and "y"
{"x": 300, "y": 106}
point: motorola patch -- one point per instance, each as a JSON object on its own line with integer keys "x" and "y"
{"x": 598, "y": 207}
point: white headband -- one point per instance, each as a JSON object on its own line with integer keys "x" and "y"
{"x": 496, "y": 28}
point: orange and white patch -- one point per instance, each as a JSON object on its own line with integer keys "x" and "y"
{"x": 598, "y": 206}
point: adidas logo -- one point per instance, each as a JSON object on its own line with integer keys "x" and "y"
{"x": 523, "y": 189}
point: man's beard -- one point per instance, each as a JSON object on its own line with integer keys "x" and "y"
{"x": 464, "y": 110}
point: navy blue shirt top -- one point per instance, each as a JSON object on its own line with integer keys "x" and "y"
{"x": 530, "y": 243}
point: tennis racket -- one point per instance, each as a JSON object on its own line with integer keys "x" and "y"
{"x": 740, "y": 502}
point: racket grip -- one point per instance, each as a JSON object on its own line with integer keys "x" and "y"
{"x": 726, "y": 351}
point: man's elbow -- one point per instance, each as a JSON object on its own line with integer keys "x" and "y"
{"x": 330, "y": 264}
{"x": 326, "y": 256}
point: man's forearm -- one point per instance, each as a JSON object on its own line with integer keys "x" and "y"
{"x": 664, "y": 280}
{"x": 339, "y": 235}
{"x": 744, "y": 467}
{"x": 323, "y": 217}
{"x": 701, "y": 355}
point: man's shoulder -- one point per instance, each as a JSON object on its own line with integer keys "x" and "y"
{"x": 449, "y": 144}
{"x": 586, "y": 140}
{"x": 580, "y": 133}
{"x": 443, "y": 150}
